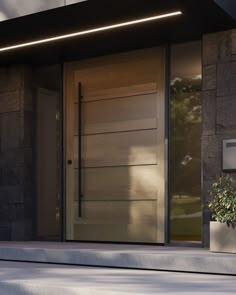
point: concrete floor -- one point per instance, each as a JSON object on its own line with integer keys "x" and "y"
{"x": 43, "y": 279}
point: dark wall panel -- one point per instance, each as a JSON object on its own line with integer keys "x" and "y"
{"x": 219, "y": 108}
{"x": 16, "y": 159}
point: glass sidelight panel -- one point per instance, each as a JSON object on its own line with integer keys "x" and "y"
{"x": 48, "y": 150}
{"x": 185, "y": 132}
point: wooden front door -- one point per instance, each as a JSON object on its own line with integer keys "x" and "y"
{"x": 114, "y": 137}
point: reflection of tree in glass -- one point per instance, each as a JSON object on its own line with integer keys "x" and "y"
{"x": 185, "y": 137}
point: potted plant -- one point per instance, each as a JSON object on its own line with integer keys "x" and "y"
{"x": 223, "y": 209}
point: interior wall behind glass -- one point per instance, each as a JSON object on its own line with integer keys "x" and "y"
{"x": 185, "y": 139}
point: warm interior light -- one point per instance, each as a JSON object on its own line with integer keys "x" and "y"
{"x": 99, "y": 29}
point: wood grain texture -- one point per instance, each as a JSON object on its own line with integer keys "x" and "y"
{"x": 117, "y": 149}
{"x": 118, "y": 183}
{"x": 162, "y": 172}
{"x": 126, "y": 91}
{"x": 119, "y": 72}
{"x": 102, "y": 212}
{"x": 123, "y": 232}
{"x": 121, "y": 114}
{"x": 69, "y": 151}
{"x": 123, "y": 147}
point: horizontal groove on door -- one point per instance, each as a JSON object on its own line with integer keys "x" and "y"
{"x": 131, "y": 90}
{"x": 152, "y": 122}
{"x": 128, "y": 148}
{"x": 122, "y": 211}
{"x": 141, "y": 233}
{"x": 115, "y": 166}
{"x": 121, "y": 114}
{"x": 118, "y": 183}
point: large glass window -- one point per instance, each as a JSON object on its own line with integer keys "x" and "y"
{"x": 185, "y": 130}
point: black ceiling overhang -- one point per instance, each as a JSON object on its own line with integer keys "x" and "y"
{"x": 199, "y": 17}
{"x": 228, "y": 6}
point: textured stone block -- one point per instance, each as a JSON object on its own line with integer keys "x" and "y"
{"x": 217, "y": 47}
{"x": 27, "y": 77}
{"x": 10, "y": 130}
{"x": 233, "y": 175}
{"x": 206, "y": 215}
{"x": 209, "y": 77}
{"x": 11, "y": 79}
{"x": 212, "y": 168}
{"x": 16, "y": 161}
{"x": 17, "y": 231}
{"x": 212, "y": 146}
{"x": 11, "y": 162}
{"x": 28, "y": 188}
{"x": 10, "y": 194}
{"x": 28, "y": 129}
{"x": 4, "y": 212}
{"x": 10, "y": 176}
{"x": 17, "y": 212}
{"x": 234, "y": 42}
{"x": 28, "y": 232}
{"x": 28, "y": 168}
{"x": 5, "y": 233}
{"x": 11, "y": 158}
{"x": 226, "y": 79}
{"x": 10, "y": 101}
{"x": 28, "y": 176}
{"x": 5, "y": 224}
{"x": 28, "y": 208}
{"x": 206, "y": 235}
{"x": 28, "y": 100}
{"x": 226, "y": 110}
{"x": 3, "y": 199}
{"x": 234, "y": 57}
{"x": 209, "y": 112}
{"x": 205, "y": 191}
{"x": 28, "y": 156}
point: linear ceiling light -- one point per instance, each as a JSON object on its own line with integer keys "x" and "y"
{"x": 86, "y": 32}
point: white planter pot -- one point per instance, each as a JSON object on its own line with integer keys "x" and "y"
{"x": 222, "y": 237}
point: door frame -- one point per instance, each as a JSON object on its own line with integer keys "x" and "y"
{"x": 68, "y": 114}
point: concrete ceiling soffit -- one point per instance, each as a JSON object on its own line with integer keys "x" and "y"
{"x": 229, "y": 6}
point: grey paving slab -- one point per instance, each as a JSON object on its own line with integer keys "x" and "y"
{"x": 184, "y": 259}
{"x": 17, "y": 278}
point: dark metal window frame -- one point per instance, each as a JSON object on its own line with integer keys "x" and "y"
{"x": 62, "y": 152}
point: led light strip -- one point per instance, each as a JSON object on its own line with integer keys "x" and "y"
{"x": 100, "y": 29}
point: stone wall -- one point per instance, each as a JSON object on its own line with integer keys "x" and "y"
{"x": 16, "y": 153}
{"x": 219, "y": 108}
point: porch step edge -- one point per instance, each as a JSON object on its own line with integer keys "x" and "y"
{"x": 181, "y": 262}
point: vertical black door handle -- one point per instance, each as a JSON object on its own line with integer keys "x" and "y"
{"x": 79, "y": 149}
